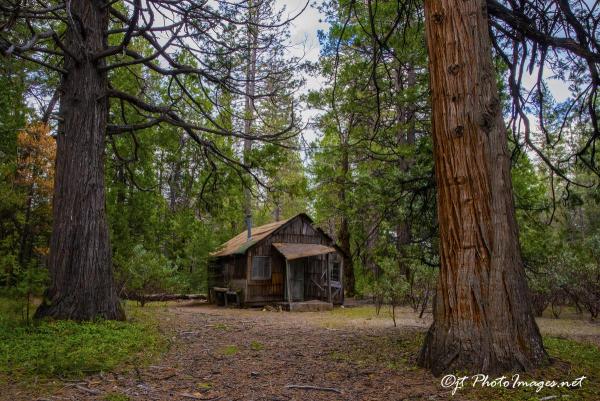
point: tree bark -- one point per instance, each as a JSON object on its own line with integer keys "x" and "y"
{"x": 482, "y": 316}
{"x": 82, "y": 286}
{"x": 145, "y": 298}
{"x": 344, "y": 231}
{"x": 249, "y": 104}
{"x": 406, "y": 136}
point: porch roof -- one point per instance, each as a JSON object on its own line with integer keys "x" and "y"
{"x": 296, "y": 251}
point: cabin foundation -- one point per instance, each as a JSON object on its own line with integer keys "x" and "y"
{"x": 309, "y": 306}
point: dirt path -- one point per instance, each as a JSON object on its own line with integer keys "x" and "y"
{"x": 251, "y": 355}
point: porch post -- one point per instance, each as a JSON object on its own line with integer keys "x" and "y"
{"x": 328, "y": 277}
{"x": 342, "y": 278}
{"x": 287, "y": 279}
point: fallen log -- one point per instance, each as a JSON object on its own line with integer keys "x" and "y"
{"x": 309, "y": 387}
{"x": 143, "y": 298}
{"x": 88, "y": 390}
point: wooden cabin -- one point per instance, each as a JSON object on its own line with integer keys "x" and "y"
{"x": 284, "y": 262}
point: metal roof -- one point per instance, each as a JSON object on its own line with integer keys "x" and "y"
{"x": 239, "y": 244}
{"x": 295, "y": 251}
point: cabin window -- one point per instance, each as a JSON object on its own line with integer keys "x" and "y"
{"x": 335, "y": 272}
{"x": 261, "y": 268}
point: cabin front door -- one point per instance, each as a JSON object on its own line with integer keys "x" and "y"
{"x": 297, "y": 280}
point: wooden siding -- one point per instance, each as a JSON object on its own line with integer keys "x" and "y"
{"x": 297, "y": 230}
{"x": 225, "y": 270}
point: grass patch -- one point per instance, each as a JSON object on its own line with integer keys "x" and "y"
{"x": 362, "y": 312}
{"x": 230, "y": 350}
{"x": 341, "y": 317}
{"x": 256, "y": 346}
{"x": 221, "y": 326}
{"x": 68, "y": 349}
{"x": 116, "y": 397}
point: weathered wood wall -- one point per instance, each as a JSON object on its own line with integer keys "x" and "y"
{"x": 296, "y": 231}
{"x": 223, "y": 271}
{"x": 238, "y": 270}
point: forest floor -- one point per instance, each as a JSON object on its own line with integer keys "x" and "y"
{"x": 347, "y": 354}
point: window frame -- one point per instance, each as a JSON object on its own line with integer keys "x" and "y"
{"x": 339, "y": 272}
{"x": 267, "y": 271}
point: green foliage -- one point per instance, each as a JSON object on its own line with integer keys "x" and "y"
{"x": 392, "y": 286}
{"x": 29, "y": 281}
{"x": 70, "y": 349}
{"x": 372, "y": 167}
{"x": 24, "y": 216}
{"x": 177, "y": 203}
{"x": 559, "y": 239}
{"x": 13, "y": 110}
{"x": 147, "y": 272}
{"x": 24, "y": 213}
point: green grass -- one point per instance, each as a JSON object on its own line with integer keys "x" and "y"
{"x": 340, "y": 317}
{"x": 68, "y": 349}
{"x": 221, "y": 326}
{"x": 229, "y": 350}
{"x": 256, "y": 346}
{"x": 116, "y": 397}
{"x": 361, "y": 312}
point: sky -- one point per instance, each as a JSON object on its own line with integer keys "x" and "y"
{"x": 304, "y": 30}
{"x": 305, "y": 43}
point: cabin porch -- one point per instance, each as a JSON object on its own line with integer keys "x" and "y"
{"x": 312, "y": 276}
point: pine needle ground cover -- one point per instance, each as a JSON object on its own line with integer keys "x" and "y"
{"x": 397, "y": 351}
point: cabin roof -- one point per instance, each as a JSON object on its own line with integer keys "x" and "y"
{"x": 239, "y": 244}
{"x": 293, "y": 251}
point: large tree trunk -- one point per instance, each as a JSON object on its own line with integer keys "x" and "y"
{"x": 482, "y": 316}
{"x": 405, "y": 114}
{"x": 344, "y": 231}
{"x": 249, "y": 104}
{"x": 82, "y": 285}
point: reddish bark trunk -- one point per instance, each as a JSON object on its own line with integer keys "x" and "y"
{"x": 82, "y": 285}
{"x": 482, "y": 316}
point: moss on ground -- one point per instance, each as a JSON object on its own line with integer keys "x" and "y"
{"x": 68, "y": 349}
{"x": 229, "y": 350}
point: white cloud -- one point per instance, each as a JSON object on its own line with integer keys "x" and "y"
{"x": 305, "y": 43}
